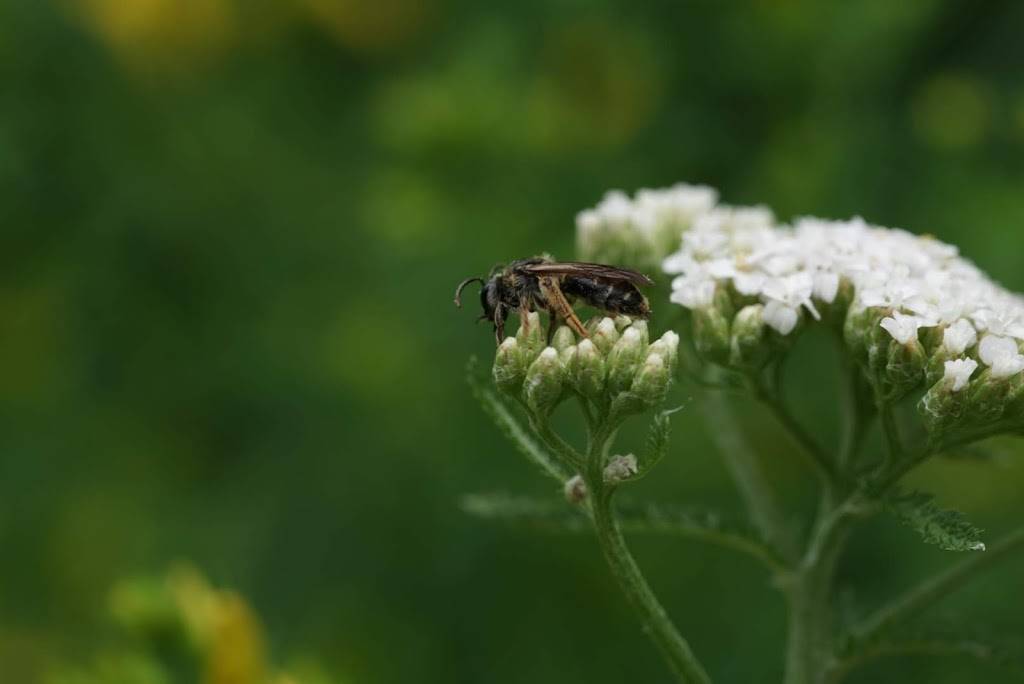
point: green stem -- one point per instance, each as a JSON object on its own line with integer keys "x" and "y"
{"x": 839, "y": 670}
{"x": 655, "y": 620}
{"x": 925, "y": 594}
{"x": 819, "y": 461}
{"x": 810, "y": 640}
{"x": 556, "y": 444}
{"x": 855, "y": 417}
{"x": 746, "y": 469}
{"x": 809, "y": 591}
{"x": 894, "y": 444}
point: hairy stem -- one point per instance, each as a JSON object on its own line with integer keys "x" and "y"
{"x": 810, "y": 635}
{"x": 655, "y": 620}
{"x": 809, "y": 593}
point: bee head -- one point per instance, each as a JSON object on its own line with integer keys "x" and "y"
{"x": 489, "y": 299}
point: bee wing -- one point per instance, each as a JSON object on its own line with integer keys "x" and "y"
{"x": 582, "y": 268}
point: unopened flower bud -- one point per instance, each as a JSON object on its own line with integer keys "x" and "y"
{"x": 711, "y": 334}
{"x": 988, "y": 397}
{"x": 575, "y": 489}
{"x": 589, "y": 371}
{"x": 945, "y": 404}
{"x": 530, "y": 337}
{"x": 624, "y": 359}
{"x": 904, "y": 369}
{"x": 620, "y": 468}
{"x": 859, "y": 330}
{"x": 640, "y": 326}
{"x": 622, "y": 322}
{"x": 670, "y": 349}
{"x": 544, "y": 380}
{"x": 605, "y": 335}
{"x": 567, "y": 357}
{"x": 652, "y": 380}
{"x": 509, "y": 366}
{"x": 748, "y": 347}
{"x": 563, "y": 338}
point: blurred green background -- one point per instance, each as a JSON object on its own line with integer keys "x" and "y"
{"x": 231, "y": 231}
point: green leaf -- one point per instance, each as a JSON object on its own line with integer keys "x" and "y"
{"x": 524, "y": 511}
{"x": 938, "y": 640}
{"x": 996, "y": 450}
{"x": 554, "y": 516}
{"x": 502, "y": 415}
{"x": 657, "y": 441}
{"x": 949, "y": 530}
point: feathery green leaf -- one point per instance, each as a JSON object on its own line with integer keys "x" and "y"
{"x": 947, "y": 529}
{"x": 505, "y": 419}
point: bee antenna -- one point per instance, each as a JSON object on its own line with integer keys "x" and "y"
{"x": 462, "y": 286}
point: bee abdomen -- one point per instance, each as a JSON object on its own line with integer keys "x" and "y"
{"x": 617, "y": 298}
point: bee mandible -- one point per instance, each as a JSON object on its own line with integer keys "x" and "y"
{"x": 527, "y": 285}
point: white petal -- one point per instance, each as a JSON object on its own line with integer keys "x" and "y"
{"x": 1001, "y": 355}
{"x": 826, "y": 285}
{"x": 958, "y": 337}
{"x": 780, "y": 317}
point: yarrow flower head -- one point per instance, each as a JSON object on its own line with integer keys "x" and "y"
{"x": 913, "y": 312}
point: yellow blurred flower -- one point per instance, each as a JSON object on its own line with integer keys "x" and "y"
{"x": 371, "y": 26}
{"x": 952, "y": 111}
{"x": 161, "y": 35}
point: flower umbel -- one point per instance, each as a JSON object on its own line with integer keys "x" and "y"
{"x": 907, "y": 305}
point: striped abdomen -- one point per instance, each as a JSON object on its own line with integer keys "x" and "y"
{"x": 614, "y": 297}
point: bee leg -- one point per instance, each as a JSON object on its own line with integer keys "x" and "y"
{"x": 560, "y": 307}
{"x": 552, "y": 324}
{"x": 499, "y": 324}
{"x": 574, "y": 322}
{"x": 524, "y": 316}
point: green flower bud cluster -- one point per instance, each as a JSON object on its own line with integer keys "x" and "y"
{"x": 963, "y": 406}
{"x": 615, "y": 368}
{"x": 731, "y": 330}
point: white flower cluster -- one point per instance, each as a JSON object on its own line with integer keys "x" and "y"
{"x": 919, "y": 283}
{"x": 640, "y": 231}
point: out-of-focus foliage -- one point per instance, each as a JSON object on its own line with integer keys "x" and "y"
{"x": 180, "y": 629}
{"x": 230, "y": 235}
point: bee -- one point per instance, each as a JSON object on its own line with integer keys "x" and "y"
{"x": 540, "y": 282}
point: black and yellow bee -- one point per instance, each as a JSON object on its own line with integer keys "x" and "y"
{"x": 542, "y": 283}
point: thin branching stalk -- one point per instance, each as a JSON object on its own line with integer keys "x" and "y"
{"x": 930, "y": 591}
{"x": 817, "y": 458}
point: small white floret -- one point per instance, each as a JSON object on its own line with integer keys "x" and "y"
{"x": 780, "y": 317}
{"x": 902, "y": 327}
{"x": 958, "y": 373}
{"x": 959, "y": 337}
{"x": 1001, "y": 355}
